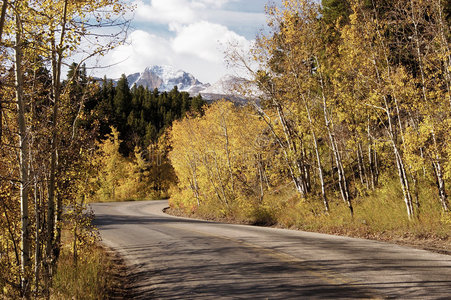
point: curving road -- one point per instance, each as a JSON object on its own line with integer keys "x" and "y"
{"x": 178, "y": 258}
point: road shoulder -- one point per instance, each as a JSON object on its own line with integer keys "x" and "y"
{"x": 432, "y": 244}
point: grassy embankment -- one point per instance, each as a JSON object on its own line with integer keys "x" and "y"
{"x": 378, "y": 215}
{"x": 96, "y": 273}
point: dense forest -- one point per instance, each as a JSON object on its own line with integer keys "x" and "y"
{"x": 351, "y": 126}
{"x": 347, "y": 129}
{"x": 131, "y": 127}
{"x": 140, "y": 116}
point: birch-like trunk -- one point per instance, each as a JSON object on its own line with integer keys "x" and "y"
{"x": 37, "y": 253}
{"x": 362, "y": 169}
{"x": 439, "y": 176}
{"x": 342, "y": 181}
{"x": 296, "y": 179}
{"x": 193, "y": 182}
{"x": 261, "y": 171}
{"x": 210, "y": 178}
{"x": 57, "y": 57}
{"x": 318, "y": 158}
{"x": 444, "y": 46}
{"x": 222, "y": 183}
{"x": 371, "y": 166}
{"x": 227, "y": 149}
{"x": 436, "y": 163}
{"x": 399, "y": 163}
{"x": 291, "y": 152}
{"x": 2, "y": 24}
{"x": 23, "y": 162}
{"x": 391, "y": 129}
{"x": 392, "y": 135}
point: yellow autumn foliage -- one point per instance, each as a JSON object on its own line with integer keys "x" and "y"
{"x": 218, "y": 159}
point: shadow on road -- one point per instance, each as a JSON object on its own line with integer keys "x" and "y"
{"x": 172, "y": 261}
{"x": 268, "y": 279}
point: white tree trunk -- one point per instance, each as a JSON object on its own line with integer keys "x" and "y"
{"x": 23, "y": 161}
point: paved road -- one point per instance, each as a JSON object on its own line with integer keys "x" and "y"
{"x": 177, "y": 258}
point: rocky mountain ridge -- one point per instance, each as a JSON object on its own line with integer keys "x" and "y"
{"x": 164, "y": 78}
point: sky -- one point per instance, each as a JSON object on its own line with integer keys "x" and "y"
{"x": 191, "y": 35}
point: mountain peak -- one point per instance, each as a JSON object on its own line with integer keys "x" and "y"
{"x": 226, "y": 85}
{"x": 164, "y": 71}
{"x": 164, "y": 78}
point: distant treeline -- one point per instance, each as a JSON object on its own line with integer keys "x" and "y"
{"x": 130, "y": 160}
{"x": 139, "y": 114}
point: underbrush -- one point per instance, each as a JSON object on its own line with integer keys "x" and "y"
{"x": 127, "y": 197}
{"x": 379, "y": 214}
{"x": 90, "y": 276}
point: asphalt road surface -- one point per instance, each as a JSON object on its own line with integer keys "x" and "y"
{"x": 178, "y": 258}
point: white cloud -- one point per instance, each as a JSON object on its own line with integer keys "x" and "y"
{"x": 166, "y": 11}
{"x": 231, "y": 18}
{"x": 206, "y": 40}
{"x": 142, "y": 48}
{"x": 195, "y": 36}
{"x": 197, "y": 48}
{"x": 190, "y": 11}
{"x": 211, "y": 3}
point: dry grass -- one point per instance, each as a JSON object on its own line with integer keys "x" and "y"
{"x": 98, "y": 274}
{"x": 380, "y": 214}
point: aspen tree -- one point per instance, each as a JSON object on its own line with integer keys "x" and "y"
{"x": 299, "y": 24}
{"x": 23, "y": 160}
{"x": 222, "y": 171}
{"x": 42, "y": 31}
{"x": 437, "y": 65}
{"x": 2, "y": 25}
{"x": 298, "y": 37}
{"x": 376, "y": 70}
{"x": 269, "y": 82}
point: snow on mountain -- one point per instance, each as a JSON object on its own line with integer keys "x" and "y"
{"x": 196, "y": 89}
{"x": 132, "y": 77}
{"x": 228, "y": 87}
{"x": 228, "y": 84}
{"x": 170, "y": 75}
{"x": 164, "y": 78}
